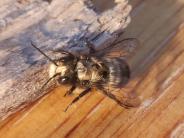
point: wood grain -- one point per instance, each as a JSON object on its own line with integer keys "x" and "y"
{"x": 158, "y": 75}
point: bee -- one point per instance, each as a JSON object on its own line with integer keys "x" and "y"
{"x": 106, "y": 70}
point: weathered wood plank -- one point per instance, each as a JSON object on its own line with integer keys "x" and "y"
{"x": 58, "y": 24}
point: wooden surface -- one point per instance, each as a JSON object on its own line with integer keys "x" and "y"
{"x": 158, "y": 68}
{"x": 58, "y": 24}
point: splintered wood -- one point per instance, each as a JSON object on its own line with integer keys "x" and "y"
{"x": 59, "y": 23}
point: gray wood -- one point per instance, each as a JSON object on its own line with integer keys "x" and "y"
{"x": 60, "y": 23}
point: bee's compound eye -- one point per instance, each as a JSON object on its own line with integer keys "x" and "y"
{"x": 63, "y": 80}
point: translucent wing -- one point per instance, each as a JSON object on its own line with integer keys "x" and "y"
{"x": 122, "y": 48}
{"x": 123, "y": 98}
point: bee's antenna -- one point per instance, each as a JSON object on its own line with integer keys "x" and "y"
{"x": 43, "y": 54}
{"x": 49, "y": 80}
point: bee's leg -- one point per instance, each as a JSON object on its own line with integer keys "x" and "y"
{"x": 78, "y": 97}
{"x": 70, "y": 91}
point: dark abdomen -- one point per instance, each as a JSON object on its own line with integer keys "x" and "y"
{"x": 119, "y": 72}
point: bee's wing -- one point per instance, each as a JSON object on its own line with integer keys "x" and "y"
{"x": 124, "y": 49}
{"x": 123, "y": 98}
{"x": 121, "y": 48}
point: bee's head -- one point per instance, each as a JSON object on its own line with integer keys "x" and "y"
{"x": 65, "y": 68}
{"x": 62, "y": 68}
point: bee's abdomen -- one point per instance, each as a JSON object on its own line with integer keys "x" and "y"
{"x": 119, "y": 72}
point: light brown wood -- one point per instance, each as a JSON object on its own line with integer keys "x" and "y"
{"x": 158, "y": 76}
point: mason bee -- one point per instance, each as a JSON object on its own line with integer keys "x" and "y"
{"x": 105, "y": 70}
